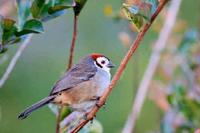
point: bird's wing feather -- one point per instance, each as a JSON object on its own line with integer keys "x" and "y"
{"x": 77, "y": 74}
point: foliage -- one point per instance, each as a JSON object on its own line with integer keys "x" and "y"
{"x": 141, "y": 12}
{"x": 182, "y": 94}
{"x": 31, "y": 18}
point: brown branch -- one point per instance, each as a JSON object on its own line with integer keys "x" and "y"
{"x": 14, "y": 60}
{"x": 70, "y": 62}
{"x": 121, "y": 68}
{"x": 58, "y": 119}
{"x": 153, "y": 63}
{"x": 73, "y": 43}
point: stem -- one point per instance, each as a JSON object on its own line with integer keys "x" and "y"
{"x": 153, "y": 63}
{"x": 121, "y": 68}
{"x": 14, "y": 60}
{"x": 58, "y": 119}
{"x": 71, "y": 55}
{"x": 70, "y": 62}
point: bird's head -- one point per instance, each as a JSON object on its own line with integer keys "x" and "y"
{"x": 102, "y": 62}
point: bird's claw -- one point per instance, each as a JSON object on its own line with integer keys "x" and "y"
{"x": 98, "y": 104}
{"x": 85, "y": 117}
{"x": 96, "y": 98}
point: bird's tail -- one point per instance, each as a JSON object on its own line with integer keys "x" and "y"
{"x": 35, "y": 106}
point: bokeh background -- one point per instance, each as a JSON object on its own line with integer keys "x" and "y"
{"x": 44, "y": 61}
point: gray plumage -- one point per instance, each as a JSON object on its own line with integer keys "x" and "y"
{"x": 79, "y": 73}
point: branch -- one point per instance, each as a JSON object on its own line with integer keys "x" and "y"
{"x": 14, "y": 60}
{"x": 121, "y": 68}
{"x": 71, "y": 55}
{"x": 153, "y": 63}
{"x": 70, "y": 62}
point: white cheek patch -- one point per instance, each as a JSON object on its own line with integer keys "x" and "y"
{"x": 103, "y": 66}
{"x": 100, "y": 59}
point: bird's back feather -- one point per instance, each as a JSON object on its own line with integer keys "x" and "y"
{"x": 81, "y": 72}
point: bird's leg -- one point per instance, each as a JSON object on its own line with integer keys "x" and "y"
{"x": 98, "y": 104}
{"x": 96, "y": 98}
{"x": 85, "y": 116}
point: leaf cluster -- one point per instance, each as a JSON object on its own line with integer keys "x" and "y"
{"x": 31, "y": 18}
{"x": 182, "y": 95}
{"x": 140, "y": 13}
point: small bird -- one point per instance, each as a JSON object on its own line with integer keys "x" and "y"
{"x": 80, "y": 87}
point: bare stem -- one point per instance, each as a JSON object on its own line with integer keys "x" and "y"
{"x": 70, "y": 62}
{"x": 71, "y": 55}
{"x": 152, "y": 65}
{"x": 14, "y": 60}
{"x": 121, "y": 68}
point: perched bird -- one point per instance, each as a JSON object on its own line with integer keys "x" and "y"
{"x": 80, "y": 87}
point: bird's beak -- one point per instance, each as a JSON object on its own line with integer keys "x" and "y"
{"x": 110, "y": 65}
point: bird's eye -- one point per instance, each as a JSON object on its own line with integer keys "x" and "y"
{"x": 103, "y": 62}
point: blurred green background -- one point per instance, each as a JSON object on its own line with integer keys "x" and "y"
{"x": 44, "y": 61}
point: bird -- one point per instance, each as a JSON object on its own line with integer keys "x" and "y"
{"x": 80, "y": 87}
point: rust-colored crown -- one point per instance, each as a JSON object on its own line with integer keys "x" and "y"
{"x": 96, "y": 55}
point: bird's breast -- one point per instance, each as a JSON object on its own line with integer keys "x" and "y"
{"x": 102, "y": 80}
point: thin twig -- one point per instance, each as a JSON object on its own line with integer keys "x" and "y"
{"x": 152, "y": 65}
{"x": 73, "y": 42}
{"x": 14, "y": 60}
{"x": 58, "y": 119}
{"x": 70, "y": 62}
{"x": 121, "y": 68}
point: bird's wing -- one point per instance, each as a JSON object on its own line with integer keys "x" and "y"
{"x": 76, "y": 75}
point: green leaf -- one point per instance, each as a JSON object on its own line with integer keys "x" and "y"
{"x": 133, "y": 16}
{"x": 65, "y": 112}
{"x": 34, "y": 25}
{"x": 23, "y": 11}
{"x": 9, "y": 29}
{"x": 31, "y": 26}
{"x": 61, "y": 5}
{"x": 138, "y": 14}
{"x": 53, "y": 9}
{"x": 57, "y": 8}
{"x": 188, "y": 40}
{"x": 46, "y": 16}
{"x": 37, "y": 7}
{"x": 79, "y": 6}
{"x": 8, "y": 24}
